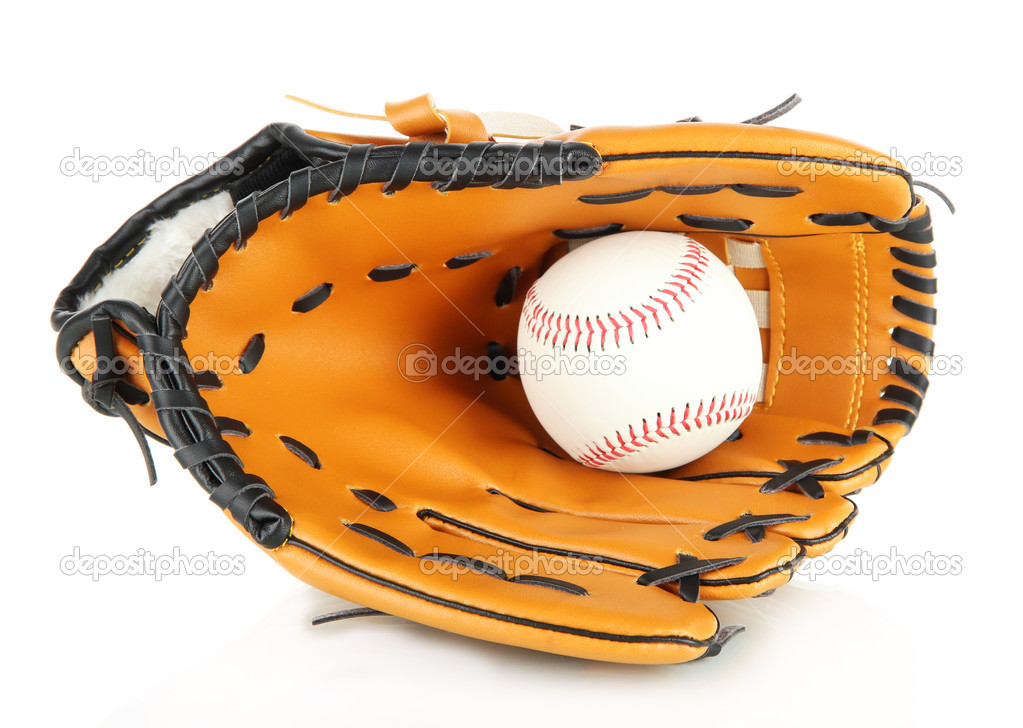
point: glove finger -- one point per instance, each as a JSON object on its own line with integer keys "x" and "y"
{"x": 524, "y": 466}
{"x": 815, "y": 525}
{"x": 766, "y": 560}
{"x": 770, "y": 444}
{"x": 394, "y": 562}
{"x": 540, "y": 480}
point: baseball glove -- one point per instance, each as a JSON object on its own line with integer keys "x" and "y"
{"x": 281, "y": 318}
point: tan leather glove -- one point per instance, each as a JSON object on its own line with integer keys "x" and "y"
{"x": 287, "y": 362}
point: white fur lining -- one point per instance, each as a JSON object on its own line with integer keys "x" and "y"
{"x": 166, "y": 246}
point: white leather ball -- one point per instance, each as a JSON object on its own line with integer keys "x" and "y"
{"x": 639, "y": 352}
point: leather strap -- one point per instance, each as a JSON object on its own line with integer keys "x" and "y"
{"x": 420, "y": 120}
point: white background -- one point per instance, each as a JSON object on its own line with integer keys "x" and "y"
{"x": 939, "y": 78}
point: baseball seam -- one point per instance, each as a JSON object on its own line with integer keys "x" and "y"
{"x": 550, "y": 327}
{"x": 739, "y": 405}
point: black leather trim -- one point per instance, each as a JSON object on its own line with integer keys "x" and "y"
{"x": 790, "y": 566}
{"x": 263, "y": 166}
{"x": 839, "y": 531}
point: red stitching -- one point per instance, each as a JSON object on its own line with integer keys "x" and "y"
{"x": 546, "y": 326}
{"x": 598, "y": 453}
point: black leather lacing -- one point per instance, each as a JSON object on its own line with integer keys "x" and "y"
{"x": 208, "y": 380}
{"x": 550, "y": 583}
{"x": 382, "y": 538}
{"x": 687, "y": 574}
{"x": 913, "y": 230}
{"x": 910, "y": 398}
{"x": 305, "y": 453}
{"x": 776, "y": 111}
{"x": 498, "y": 360}
{"x": 837, "y": 439}
{"x": 719, "y": 224}
{"x": 467, "y": 562}
{"x": 752, "y": 525}
{"x": 313, "y": 298}
{"x": 376, "y": 501}
{"x": 461, "y": 261}
{"x": 252, "y": 354}
{"x": 519, "y": 503}
{"x": 800, "y": 475}
{"x": 394, "y": 272}
{"x": 107, "y": 392}
{"x": 506, "y": 288}
{"x": 408, "y": 164}
{"x": 941, "y": 195}
{"x": 250, "y": 501}
{"x": 352, "y": 172}
{"x": 348, "y": 614}
{"x": 676, "y": 190}
{"x": 233, "y": 427}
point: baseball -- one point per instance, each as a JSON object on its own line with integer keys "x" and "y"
{"x": 639, "y": 352}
